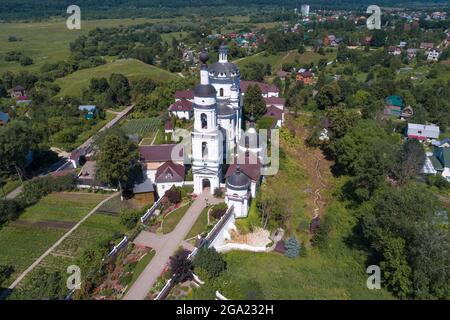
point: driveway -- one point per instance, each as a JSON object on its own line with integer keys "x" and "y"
{"x": 165, "y": 246}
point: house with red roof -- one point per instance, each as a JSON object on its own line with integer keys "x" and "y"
{"x": 278, "y": 114}
{"x": 182, "y": 109}
{"x": 168, "y": 175}
{"x": 154, "y": 156}
{"x": 267, "y": 90}
{"x": 184, "y": 95}
{"x": 275, "y": 101}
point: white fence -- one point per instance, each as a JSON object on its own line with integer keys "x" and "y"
{"x": 150, "y": 211}
{"x": 118, "y": 247}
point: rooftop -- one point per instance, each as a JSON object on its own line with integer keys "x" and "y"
{"x": 161, "y": 153}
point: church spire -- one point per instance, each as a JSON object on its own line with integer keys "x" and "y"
{"x": 223, "y": 52}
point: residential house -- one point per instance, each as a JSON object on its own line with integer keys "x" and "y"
{"x": 395, "y": 50}
{"x": 87, "y": 177}
{"x": 277, "y": 113}
{"x": 182, "y": 109}
{"x": 282, "y": 75}
{"x": 426, "y": 45}
{"x": 438, "y": 162}
{"x": 4, "y": 118}
{"x": 306, "y": 76}
{"x": 393, "y": 106}
{"x": 412, "y": 53}
{"x": 433, "y": 55}
{"x": 18, "y": 92}
{"x": 422, "y": 132}
{"x": 275, "y": 101}
{"x": 184, "y": 94}
{"x": 267, "y": 90}
{"x": 155, "y": 156}
{"x": 407, "y": 113}
{"x": 168, "y": 175}
{"x": 168, "y": 126}
{"x": 89, "y": 111}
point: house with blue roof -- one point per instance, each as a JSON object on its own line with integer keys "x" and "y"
{"x": 89, "y": 110}
{"x": 438, "y": 162}
{"x": 4, "y": 118}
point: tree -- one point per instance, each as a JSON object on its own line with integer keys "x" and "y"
{"x": 5, "y": 272}
{"x": 43, "y": 285}
{"x": 396, "y": 271}
{"x": 328, "y": 96}
{"x": 99, "y": 85}
{"x": 341, "y": 121}
{"x": 120, "y": 86}
{"x": 403, "y": 229}
{"x": 292, "y": 247}
{"x": 411, "y": 158}
{"x": 17, "y": 139}
{"x": 116, "y": 157}
{"x": 253, "y": 102}
{"x": 209, "y": 262}
{"x": 180, "y": 266}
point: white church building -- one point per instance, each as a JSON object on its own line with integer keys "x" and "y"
{"x": 217, "y": 139}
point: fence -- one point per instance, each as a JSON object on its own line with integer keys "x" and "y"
{"x": 207, "y": 240}
{"x": 150, "y": 211}
{"x": 118, "y": 247}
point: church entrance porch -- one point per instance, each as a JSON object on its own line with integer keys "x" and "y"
{"x": 206, "y": 185}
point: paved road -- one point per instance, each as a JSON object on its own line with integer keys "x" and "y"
{"x": 64, "y": 162}
{"x": 165, "y": 246}
{"x": 57, "y": 243}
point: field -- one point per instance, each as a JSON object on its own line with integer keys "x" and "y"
{"x": 41, "y": 225}
{"x": 73, "y": 84}
{"x": 48, "y": 42}
{"x": 97, "y": 228}
{"x": 142, "y": 127}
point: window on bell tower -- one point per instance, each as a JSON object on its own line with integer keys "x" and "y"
{"x": 221, "y": 92}
{"x": 204, "y": 150}
{"x": 204, "y": 120}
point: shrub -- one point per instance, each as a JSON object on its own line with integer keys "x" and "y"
{"x": 219, "y": 210}
{"x": 9, "y": 210}
{"x": 173, "y": 195}
{"x": 438, "y": 181}
{"x": 129, "y": 218}
{"x": 180, "y": 266}
{"x": 209, "y": 262}
{"x": 292, "y": 247}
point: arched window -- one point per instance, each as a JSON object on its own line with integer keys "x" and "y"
{"x": 247, "y": 141}
{"x": 204, "y": 150}
{"x": 221, "y": 92}
{"x": 204, "y": 120}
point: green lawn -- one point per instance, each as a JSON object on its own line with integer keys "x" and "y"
{"x": 200, "y": 224}
{"x": 143, "y": 127}
{"x": 48, "y": 42}
{"x": 69, "y": 206}
{"x": 140, "y": 266}
{"x": 172, "y": 219}
{"x": 24, "y": 240}
{"x": 74, "y": 83}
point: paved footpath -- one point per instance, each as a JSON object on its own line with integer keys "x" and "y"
{"x": 165, "y": 246}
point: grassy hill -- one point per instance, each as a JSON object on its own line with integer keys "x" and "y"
{"x": 48, "y": 42}
{"x": 74, "y": 83}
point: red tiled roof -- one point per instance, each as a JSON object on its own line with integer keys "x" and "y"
{"x": 253, "y": 171}
{"x": 306, "y": 74}
{"x": 274, "y": 100}
{"x": 265, "y": 88}
{"x": 275, "y": 112}
{"x": 159, "y": 153}
{"x": 184, "y": 94}
{"x": 169, "y": 172}
{"x": 181, "y": 105}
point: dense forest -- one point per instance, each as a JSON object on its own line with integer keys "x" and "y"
{"x": 41, "y": 10}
